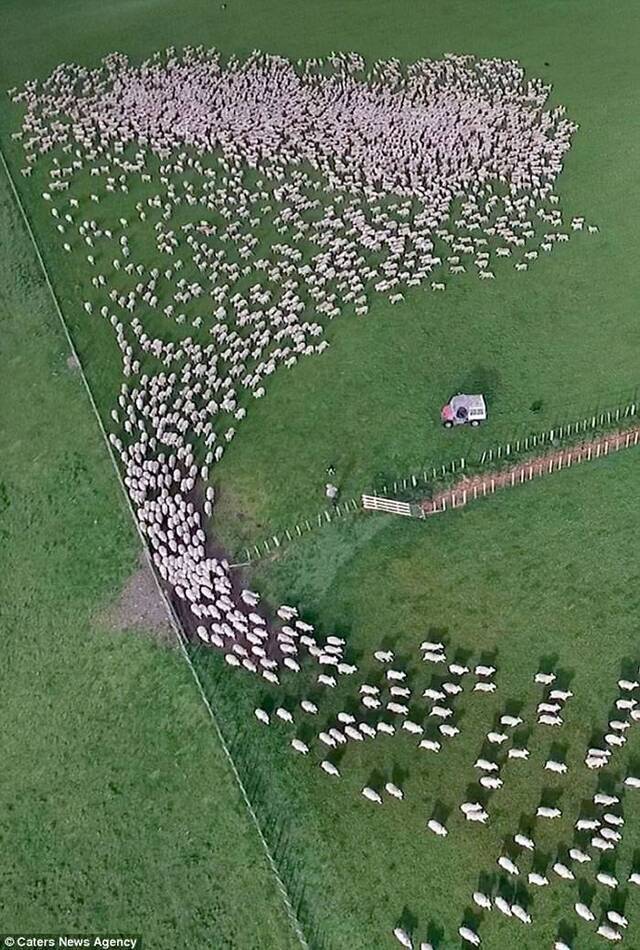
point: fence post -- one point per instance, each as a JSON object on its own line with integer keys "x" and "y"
{"x": 464, "y": 496}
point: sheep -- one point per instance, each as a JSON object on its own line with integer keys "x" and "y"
{"x": 560, "y": 694}
{"x": 412, "y": 727}
{"x": 469, "y": 935}
{"x": 442, "y": 712}
{"x": 383, "y": 656}
{"x": 550, "y": 720}
{"x": 632, "y": 782}
{"x": 601, "y": 798}
{"x": 397, "y": 675}
{"x": 583, "y": 911}
{"x": 367, "y": 730}
{"x": 467, "y": 807}
{"x": 262, "y": 716}
{"x": 577, "y": 855}
{"x": 484, "y": 670}
{"x": 353, "y": 733}
{"x": 448, "y": 730}
{"x": 434, "y": 694}
{"x": 516, "y": 753}
{"x": 604, "y": 930}
{"x": 325, "y": 680}
{"x": 481, "y": 816}
{"x": 520, "y": 913}
{"x": 537, "y": 879}
{"x": 372, "y": 795}
{"x": 330, "y": 768}
{"x": 394, "y": 790}
{"x": 543, "y": 811}
{"x": 299, "y": 746}
{"x": 432, "y": 745}
{"x": 386, "y": 727}
{"x": 545, "y": 678}
{"x": 524, "y": 842}
{"x": 491, "y": 781}
{"x": 634, "y": 878}
{"x": 437, "y": 828}
{"x": 485, "y": 765}
{"x": 607, "y": 879}
{"x": 601, "y": 844}
{"x": 612, "y": 819}
{"x": 403, "y": 938}
{"x": 484, "y": 688}
{"x": 587, "y": 824}
{"x": 398, "y": 709}
{"x": 553, "y": 766}
{"x": 563, "y": 871}
{"x": 284, "y": 714}
{"x": 617, "y": 918}
{"x": 511, "y": 721}
{"x": 503, "y": 906}
{"x": 309, "y": 707}
{"x": 432, "y": 647}
{"x": 482, "y": 900}
{"x": 327, "y": 739}
{"x": 431, "y": 657}
{"x": 497, "y": 738}
{"x": 508, "y": 865}
{"x": 628, "y": 685}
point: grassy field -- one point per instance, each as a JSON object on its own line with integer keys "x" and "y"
{"x": 546, "y": 574}
{"x": 546, "y": 571}
{"x": 118, "y": 810}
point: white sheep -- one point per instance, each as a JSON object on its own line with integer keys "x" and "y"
{"x": 543, "y": 811}
{"x": 604, "y": 930}
{"x": 394, "y": 790}
{"x": 545, "y": 678}
{"x": 552, "y": 766}
{"x": 524, "y": 842}
{"x": 484, "y": 688}
{"x": 469, "y": 935}
{"x": 284, "y": 714}
{"x": 577, "y": 855}
{"x": 437, "y": 828}
{"x": 583, "y": 911}
{"x": 516, "y": 753}
{"x": 262, "y": 716}
{"x": 508, "y": 865}
{"x": 607, "y": 879}
{"x": 484, "y": 670}
{"x": 432, "y": 745}
{"x": 330, "y": 768}
{"x": 482, "y": 900}
{"x": 563, "y": 871}
{"x": 299, "y": 746}
{"x": 538, "y": 879}
{"x": 372, "y": 795}
{"x": 403, "y": 938}
{"x": 601, "y": 798}
{"x": 520, "y": 913}
{"x": 617, "y": 918}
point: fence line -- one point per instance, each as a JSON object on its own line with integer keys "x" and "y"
{"x": 469, "y": 489}
{"x": 174, "y": 620}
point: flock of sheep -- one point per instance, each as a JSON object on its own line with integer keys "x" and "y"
{"x": 227, "y": 210}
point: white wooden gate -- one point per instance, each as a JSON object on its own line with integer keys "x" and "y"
{"x": 389, "y": 505}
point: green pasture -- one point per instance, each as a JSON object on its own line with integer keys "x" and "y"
{"x": 119, "y": 807}
{"x": 118, "y": 810}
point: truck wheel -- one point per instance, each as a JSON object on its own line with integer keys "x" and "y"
{"x": 475, "y": 423}
{"x": 447, "y": 425}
